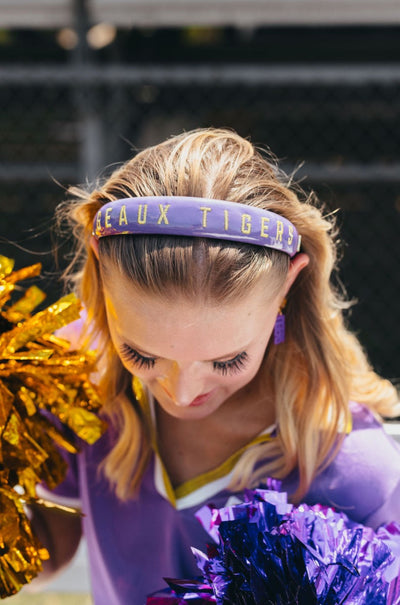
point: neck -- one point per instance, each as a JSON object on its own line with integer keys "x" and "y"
{"x": 191, "y": 447}
{"x": 255, "y": 402}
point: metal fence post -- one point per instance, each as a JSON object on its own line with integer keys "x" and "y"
{"x": 91, "y": 131}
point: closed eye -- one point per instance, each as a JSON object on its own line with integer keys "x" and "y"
{"x": 141, "y": 361}
{"x": 232, "y": 366}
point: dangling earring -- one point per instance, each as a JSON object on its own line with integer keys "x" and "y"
{"x": 279, "y": 328}
{"x": 139, "y": 392}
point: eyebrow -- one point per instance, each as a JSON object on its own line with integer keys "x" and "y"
{"x": 221, "y": 358}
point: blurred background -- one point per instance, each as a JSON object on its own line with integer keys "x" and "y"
{"x": 86, "y": 83}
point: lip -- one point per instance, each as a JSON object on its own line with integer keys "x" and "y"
{"x": 200, "y": 400}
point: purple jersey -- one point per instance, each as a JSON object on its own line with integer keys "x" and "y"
{"x": 133, "y": 545}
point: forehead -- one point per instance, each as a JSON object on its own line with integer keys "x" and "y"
{"x": 184, "y": 328}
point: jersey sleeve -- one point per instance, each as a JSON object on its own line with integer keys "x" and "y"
{"x": 66, "y": 493}
{"x": 363, "y": 480}
{"x": 382, "y": 459}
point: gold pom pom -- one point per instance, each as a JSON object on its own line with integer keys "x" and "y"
{"x": 38, "y": 375}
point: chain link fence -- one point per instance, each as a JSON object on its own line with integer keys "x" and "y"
{"x": 338, "y": 128}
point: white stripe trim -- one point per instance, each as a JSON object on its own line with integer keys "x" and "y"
{"x": 42, "y": 492}
{"x": 159, "y": 478}
{"x": 200, "y": 495}
{"x": 203, "y": 493}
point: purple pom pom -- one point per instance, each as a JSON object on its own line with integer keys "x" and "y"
{"x": 272, "y": 552}
{"x": 269, "y": 552}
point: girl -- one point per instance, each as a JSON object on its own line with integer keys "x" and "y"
{"x": 223, "y": 357}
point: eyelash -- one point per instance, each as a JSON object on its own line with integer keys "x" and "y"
{"x": 139, "y": 360}
{"x": 232, "y": 366}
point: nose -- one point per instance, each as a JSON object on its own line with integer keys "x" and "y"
{"x": 182, "y": 384}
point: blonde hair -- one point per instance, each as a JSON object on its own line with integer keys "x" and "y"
{"x": 313, "y": 375}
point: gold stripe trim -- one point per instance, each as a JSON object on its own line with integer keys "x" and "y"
{"x": 188, "y": 487}
{"x": 169, "y": 490}
{"x": 225, "y": 468}
{"x": 194, "y": 484}
{"x": 143, "y": 400}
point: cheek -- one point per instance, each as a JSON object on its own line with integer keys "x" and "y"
{"x": 256, "y": 361}
{"x": 145, "y": 375}
{"x": 128, "y": 366}
{"x": 240, "y": 379}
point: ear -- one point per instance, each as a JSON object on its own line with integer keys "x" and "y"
{"x": 94, "y": 244}
{"x": 297, "y": 264}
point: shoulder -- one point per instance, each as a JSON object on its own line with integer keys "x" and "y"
{"x": 82, "y": 468}
{"x": 362, "y": 417}
{"x": 363, "y": 480}
{"x": 367, "y": 438}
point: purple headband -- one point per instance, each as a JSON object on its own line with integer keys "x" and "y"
{"x": 197, "y": 217}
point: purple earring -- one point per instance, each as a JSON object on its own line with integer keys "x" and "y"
{"x": 279, "y": 328}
